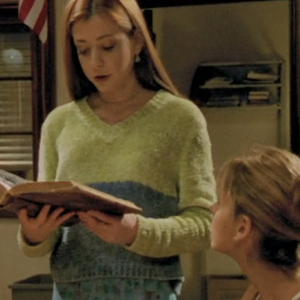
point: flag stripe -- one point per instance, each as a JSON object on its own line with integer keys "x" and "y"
{"x": 40, "y": 22}
{"x": 24, "y": 8}
{"x": 33, "y": 13}
{"x": 43, "y": 33}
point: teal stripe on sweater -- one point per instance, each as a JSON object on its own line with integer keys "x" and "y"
{"x": 153, "y": 203}
{"x": 75, "y": 258}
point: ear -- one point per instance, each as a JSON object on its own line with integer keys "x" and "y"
{"x": 244, "y": 228}
{"x": 138, "y": 40}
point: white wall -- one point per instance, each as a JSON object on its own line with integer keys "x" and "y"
{"x": 14, "y": 266}
{"x": 186, "y": 37}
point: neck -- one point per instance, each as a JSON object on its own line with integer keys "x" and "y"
{"x": 130, "y": 98}
{"x": 99, "y": 99}
{"x": 271, "y": 282}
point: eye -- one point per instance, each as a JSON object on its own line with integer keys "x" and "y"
{"x": 108, "y": 48}
{"x": 82, "y": 52}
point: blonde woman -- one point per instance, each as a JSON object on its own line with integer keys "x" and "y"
{"x": 128, "y": 133}
{"x": 257, "y": 221}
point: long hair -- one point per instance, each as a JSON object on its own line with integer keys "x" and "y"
{"x": 265, "y": 185}
{"x": 150, "y": 71}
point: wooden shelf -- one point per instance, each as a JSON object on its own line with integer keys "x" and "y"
{"x": 241, "y": 86}
{"x": 170, "y": 3}
{"x": 245, "y": 107}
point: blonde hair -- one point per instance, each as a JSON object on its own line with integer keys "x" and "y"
{"x": 265, "y": 185}
{"x": 150, "y": 71}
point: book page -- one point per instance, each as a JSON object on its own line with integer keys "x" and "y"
{"x": 7, "y": 180}
{"x": 3, "y": 190}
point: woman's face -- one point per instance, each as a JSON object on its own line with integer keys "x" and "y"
{"x": 224, "y": 224}
{"x": 105, "y": 52}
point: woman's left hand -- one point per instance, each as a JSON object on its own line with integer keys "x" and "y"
{"x": 112, "y": 229}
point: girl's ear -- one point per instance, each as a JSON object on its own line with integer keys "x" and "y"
{"x": 138, "y": 42}
{"x": 243, "y": 228}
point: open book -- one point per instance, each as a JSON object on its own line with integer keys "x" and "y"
{"x": 17, "y": 193}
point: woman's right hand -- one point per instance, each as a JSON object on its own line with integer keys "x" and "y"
{"x": 36, "y": 230}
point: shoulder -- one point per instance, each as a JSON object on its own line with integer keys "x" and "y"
{"x": 60, "y": 114}
{"x": 180, "y": 107}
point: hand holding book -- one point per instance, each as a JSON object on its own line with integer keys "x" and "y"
{"x": 17, "y": 193}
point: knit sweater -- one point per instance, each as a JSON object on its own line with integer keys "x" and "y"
{"x": 159, "y": 158}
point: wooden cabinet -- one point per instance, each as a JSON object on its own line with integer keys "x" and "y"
{"x": 223, "y": 84}
{"x": 243, "y": 104}
{"x": 169, "y": 3}
{"x": 26, "y": 89}
{"x": 225, "y": 287}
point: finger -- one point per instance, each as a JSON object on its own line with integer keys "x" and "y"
{"x": 56, "y": 213}
{"x": 106, "y": 218}
{"x": 43, "y": 214}
{"x": 88, "y": 220}
{"x": 64, "y": 218}
{"x": 59, "y": 216}
{"x": 22, "y": 215}
{"x": 82, "y": 214}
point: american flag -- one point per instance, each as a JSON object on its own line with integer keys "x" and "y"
{"x": 33, "y": 13}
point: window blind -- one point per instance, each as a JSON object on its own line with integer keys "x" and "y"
{"x": 16, "y": 129}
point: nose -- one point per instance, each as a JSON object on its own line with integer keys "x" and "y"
{"x": 96, "y": 58}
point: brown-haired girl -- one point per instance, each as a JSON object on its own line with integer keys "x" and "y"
{"x": 130, "y": 134}
{"x": 257, "y": 220}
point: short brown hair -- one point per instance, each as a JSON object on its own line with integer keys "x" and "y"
{"x": 265, "y": 185}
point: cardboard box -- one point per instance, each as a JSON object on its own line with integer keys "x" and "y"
{"x": 38, "y": 287}
{"x": 225, "y": 287}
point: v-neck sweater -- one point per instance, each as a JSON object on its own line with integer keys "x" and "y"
{"x": 159, "y": 158}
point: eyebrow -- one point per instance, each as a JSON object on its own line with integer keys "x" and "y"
{"x": 98, "y": 38}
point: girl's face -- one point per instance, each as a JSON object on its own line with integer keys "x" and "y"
{"x": 224, "y": 225}
{"x": 105, "y": 52}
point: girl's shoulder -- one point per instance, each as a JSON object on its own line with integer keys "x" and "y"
{"x": 60, "y": 116}
{"x": 179, "y": 105}
{"x": 61, "y": 112}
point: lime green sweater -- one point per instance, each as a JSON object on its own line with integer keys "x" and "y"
{"x": 159, "y": 158}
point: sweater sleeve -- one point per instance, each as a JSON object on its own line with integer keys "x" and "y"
{"x": 48, "y": 157}
{"x": 189, "y": 230}
{"x": 38, "y": 250}
{"x": 47, "y": 167}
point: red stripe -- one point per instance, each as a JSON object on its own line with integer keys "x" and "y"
{"x": 25, "y": 9}
{"x": 40, "y": 22}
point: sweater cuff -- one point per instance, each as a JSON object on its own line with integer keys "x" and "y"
{"x": 40, "y": 249}
{"x": 140, "y": 244}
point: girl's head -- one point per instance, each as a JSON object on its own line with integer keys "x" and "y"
{"x": 125, "y": 17}
{"x": 260, "y": 192}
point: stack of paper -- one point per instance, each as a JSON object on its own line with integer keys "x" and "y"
{"x": 258, "y": 97}
{"x": 261, "y": 76}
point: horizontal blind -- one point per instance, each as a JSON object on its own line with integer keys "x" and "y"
{"x": 15, "y": 106}
{"x": 16, "y": 133}
{"x": 16, "y": 150}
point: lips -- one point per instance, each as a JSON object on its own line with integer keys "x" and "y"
{"x": 101, "y": 77}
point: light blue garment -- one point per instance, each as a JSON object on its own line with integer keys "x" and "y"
{"x": 117, "y": 289}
